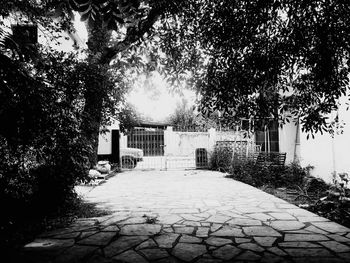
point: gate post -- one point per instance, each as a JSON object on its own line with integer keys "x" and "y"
{"x": 168, "y": 146}
{"x": 212, "y": 139}
{"x": 168, "y": 134}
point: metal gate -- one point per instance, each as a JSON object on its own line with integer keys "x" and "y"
{"x": 151, "y": 142}
{"x": 168, "y": 149}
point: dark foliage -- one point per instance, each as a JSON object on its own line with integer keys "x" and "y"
{"x": 276, "y": 176}
{"x": 255, "y": 174}
{"x": 42, "y": 152}
{"x": 292, "y": 183}
{"x": 280, "y": 59}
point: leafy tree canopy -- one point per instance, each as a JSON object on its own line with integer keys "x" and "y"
{"x": 264, "y": 59}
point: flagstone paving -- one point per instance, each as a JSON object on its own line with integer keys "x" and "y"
{"x": 190, "y": 216}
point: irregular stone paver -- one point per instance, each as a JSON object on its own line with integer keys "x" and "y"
{"x": 233, "y": 214}
{"x": 191, "y": 217}
{"x": 310, "y": 252}
{"x": 261, "y": 216}
{"x": 218, "y": 219}
{"x": 300, "y": 213}
{"x": 271, "y": 258}
{"x": 240, "y": 240}
{"x": 251, "y": 246}
{"x": 98, "y": 258}
{"x": 133, "y": 220}
{"x": 305, "y": 237}
{"x": 71, "y": 235}
{"x": 189, "y": 239}
{"x": 86, "y": 234}
{"x": 265, "y": 241}
{"x": 208, "y": 260}
{"x": 339, "y": 238}
{"x": 226, "y": 252}
{"x": 184, "y": 230}
{"x": 166, "y": 240}
{"x": 147, "y": 244}
{"x": 215, "y": 227}
{"x": 244, "y": 222}
{"x": 200, "y": 217}
{"x": 130, "y": 257}
{"x": 335, "y": 246}
{"x": 202, "y": 231}
{"x": 168, "y": 230}
{"x": 316, "y": 230}
{"x": 277, "y": 251}
{"x": 111, "y": 228}
{"x": 260, "y": 231}
{"x": 188, "y": 252}
{"x": 140, "y": 230}
{"x": 331, "y": 227}
{"x": 154, "y": 253}
{"x": 169, "y": 219}
{"x": 301, "y": 244}
{"x": 249, "y": 256}
{"x": 312, "y": 219}
{"x": 122, "y": 244}
{"x": 317, "y": 260}
{"x": 217, "y": 241}
{"x": 286, "y": 225}
{"x": 300, "y": 231}
{"x": 191, "y": 223}
{"x": 184, "y": 211}
{"x": 282, "y": 216}
{"x": 228, "y": 231}
{"x": 99, "y": 239}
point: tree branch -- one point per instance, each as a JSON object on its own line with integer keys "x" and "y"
{"x": 133, "y": 35}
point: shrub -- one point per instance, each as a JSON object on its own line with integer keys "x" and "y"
{"x": 248, "y": 171}
{"x": 42, "y": 152}
{"x": 221, "y": 159}
{"x": 277, "y": 176}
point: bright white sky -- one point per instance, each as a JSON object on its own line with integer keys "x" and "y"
{"x": 153, "y": 97}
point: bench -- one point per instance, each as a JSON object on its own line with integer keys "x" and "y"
{"x": 271, "y": 158}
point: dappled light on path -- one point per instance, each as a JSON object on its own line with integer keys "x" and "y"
{"x": 192, "y": 216}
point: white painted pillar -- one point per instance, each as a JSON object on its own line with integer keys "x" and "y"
{"x": 168, "y": 142}
{"x": 212, "y": 139}
{"x": 123, "y": 141}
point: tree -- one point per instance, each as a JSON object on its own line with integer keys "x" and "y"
{"x": 102, "y": 18}
{"x": 114, "y": 27}
{"x": 42, "y": 152}
{"x": 188, "y": 118}
{"x": 278, "y": 59}
{"x": 131, "y": 21}
{"x": 128, "y": 117}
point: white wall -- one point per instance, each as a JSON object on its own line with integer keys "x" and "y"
{"x": 288, "y": 142}
{"x": 105, "y": 139}
{"x": 327, "y": 154}
{"x": 185, "y": 143}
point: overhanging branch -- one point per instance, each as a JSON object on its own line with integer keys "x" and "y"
{"x": 133, "y": 35}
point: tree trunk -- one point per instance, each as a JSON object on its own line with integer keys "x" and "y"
{"x": 95, "y": 92}
{"x": 92, "y": 116}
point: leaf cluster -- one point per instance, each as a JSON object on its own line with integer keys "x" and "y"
{"x": 278, "y": 59}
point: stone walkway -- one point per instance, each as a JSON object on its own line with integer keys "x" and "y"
{"x": 191, "y": 216}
